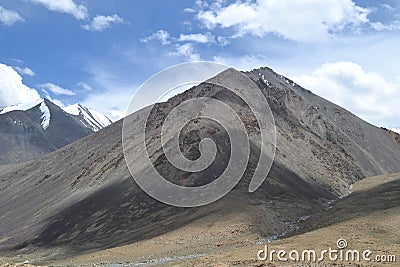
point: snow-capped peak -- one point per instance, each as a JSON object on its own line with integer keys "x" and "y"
{"x": 89, "y": 117}
{"x": 20, "y": 106}
{"x": 45, "y": 117}
{"x": 73, "y": 109}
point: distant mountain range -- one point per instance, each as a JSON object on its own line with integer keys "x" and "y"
{"x": 30, "y": 131}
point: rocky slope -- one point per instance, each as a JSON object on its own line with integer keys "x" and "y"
{"x": 82, "y": 198}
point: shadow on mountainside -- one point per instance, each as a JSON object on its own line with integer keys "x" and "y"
{"x": 123, "y": 214}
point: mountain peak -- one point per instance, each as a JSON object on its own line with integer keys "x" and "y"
{"x": 73, "y": 109}
{"x": 89, "y": 117}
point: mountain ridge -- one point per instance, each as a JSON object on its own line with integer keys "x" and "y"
{"x": 89, "y": 117}
{"x": 30, "y": 131}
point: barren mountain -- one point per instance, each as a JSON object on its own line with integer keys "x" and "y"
{"x": 81, "y": 198}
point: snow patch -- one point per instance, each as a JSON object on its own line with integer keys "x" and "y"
{"x": 45, "y": 115}
{"x": 73, "y": 109}
{"x": 263, "y": 79}
{"x": 21, "y": 106}
{"x": 100, "y": 118}
{"x": 89, "y": 117}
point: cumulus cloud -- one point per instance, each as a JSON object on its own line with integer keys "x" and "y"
{"x": 161, "y": 35}
{"x": 187, "y": 51}
{"x": 299, "y": 20}
{"x": 197, "y": 37}
{"x": 367, "y": 94}
{"x": 55, "y": 89}
{"x": 9, "y": 17}
{"x": 64, "y": 6}
{"x": 100, "y": 23}
{"x": 13, "y": 90}
{"x": 25, "y": 71}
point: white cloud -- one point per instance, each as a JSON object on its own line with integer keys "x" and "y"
{"x": 57, "y": 90}
{"x": 9, "y": 17}
{"x": 25, "y": 71}
{"x": 187, "y": 51}
{"x": 160, "y": 35}
{"x": 367, "y": 94}
{"x": 85, "y": 86}
{"x": 13, "y": 90}
{"x": 299, "y": 20}
{"x": 101, "y": 23}
{"x": 64, "y": 6}
{"x": 189, "y": 10}
{"x": 392, "y": 26}
{"x": 198, "y": 38}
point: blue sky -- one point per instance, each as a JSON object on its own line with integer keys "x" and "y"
{"x": 98, "y": 52}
